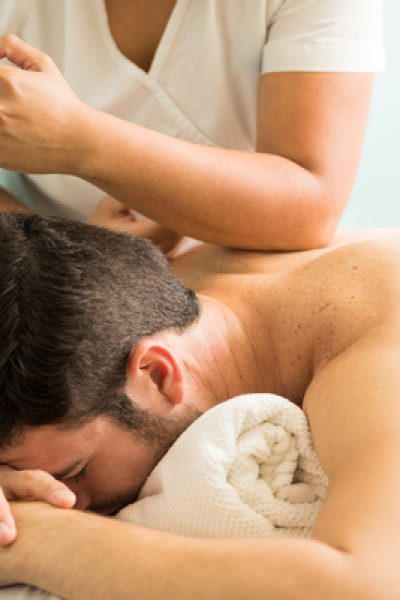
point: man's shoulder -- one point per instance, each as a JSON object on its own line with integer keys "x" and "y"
{"x": 197, "y": 265}
{"x": 363, "y": 264}
{"x": 353, "y": 291}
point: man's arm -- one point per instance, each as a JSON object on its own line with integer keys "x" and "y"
{"x": 78, "y": 555}
{"x": 354, "y": 410}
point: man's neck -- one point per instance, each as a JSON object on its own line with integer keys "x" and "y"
{"x": 222, "y": 355}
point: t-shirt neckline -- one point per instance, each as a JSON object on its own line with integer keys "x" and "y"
{"x": 168, "y": 35}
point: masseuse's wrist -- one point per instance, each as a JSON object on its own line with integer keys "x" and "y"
{"x": 77, "y": 142}
{"x": 88, "y": 136}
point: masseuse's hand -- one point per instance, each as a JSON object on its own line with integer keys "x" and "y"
{"x": 28, "y": 485}
{"x": 40, "y": 115}
{"x": 115, "y": 215}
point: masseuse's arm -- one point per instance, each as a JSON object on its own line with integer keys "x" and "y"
{"x": 354, "y": 411}
{"x": 288, "y": 195}
{"x": 166, "y": 240}
{"x": 8, "y": 202}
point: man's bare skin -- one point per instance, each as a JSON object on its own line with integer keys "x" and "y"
{"x": 319, "y": 328}
{"x": 196, "y": 266}
{"x": 297, "y": 288}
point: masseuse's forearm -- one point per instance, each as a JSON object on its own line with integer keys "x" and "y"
{"x": 79, "y": 556}
{"x": 8, "y": 202}
{"x": 225, "y": 197}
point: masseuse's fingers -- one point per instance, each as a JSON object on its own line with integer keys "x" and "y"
{"x": 24, "y": 55}
{"x": 166, "y": 239}
{"x": 114, "y": 215}
{"x": 41, "y": 118}
{"x": 7, "y": 523}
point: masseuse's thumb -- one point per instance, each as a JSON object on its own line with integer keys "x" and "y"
{"x": 24, "y": 55}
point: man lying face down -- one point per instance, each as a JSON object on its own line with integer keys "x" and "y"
{"x": 93, "y": 383}
{"x": 106, "y": 358}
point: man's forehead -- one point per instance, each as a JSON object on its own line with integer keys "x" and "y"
{"x": 32, "y": 437}
{"x": 47, "y": 445}
{"x": 22, "y": 445}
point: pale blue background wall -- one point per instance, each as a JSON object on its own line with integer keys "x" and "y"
{"x": 375, "y": 201}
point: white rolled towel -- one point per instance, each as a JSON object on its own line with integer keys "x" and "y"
{"x": 247, "y": 467}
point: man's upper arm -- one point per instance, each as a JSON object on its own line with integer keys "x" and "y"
{"x": 316, "y": 120}
{"x": 353, "y": 406}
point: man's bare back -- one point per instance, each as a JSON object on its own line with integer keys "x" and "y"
{"x": 316, "y": 302}
{"x": 317, "y": 327}
{"x": 199, "y": 265}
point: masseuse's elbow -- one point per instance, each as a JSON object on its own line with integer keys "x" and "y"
{"x": 303, "y": 232}
{"x": 319, "y": 235}
{"x": 316, "y": 226}
{"x": 310, "y": 220}
{"x": 309, "y": 231}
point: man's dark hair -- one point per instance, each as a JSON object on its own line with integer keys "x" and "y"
{"x": 74, "y": 300}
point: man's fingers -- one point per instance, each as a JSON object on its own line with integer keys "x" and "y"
{"x": 24, "y": 55}
{"x": 38, "y": 485}
{"x": 7, "y": 523}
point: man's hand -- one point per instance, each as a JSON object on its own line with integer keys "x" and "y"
{"x": 40, "y": 115}
{"x": 115, "y": 215}
{"x": 28, "y": 485}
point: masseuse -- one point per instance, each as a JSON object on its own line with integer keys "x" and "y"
{"x": 161, "y": 104}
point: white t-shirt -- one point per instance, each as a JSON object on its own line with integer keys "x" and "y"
{"x": 202, "y": 84}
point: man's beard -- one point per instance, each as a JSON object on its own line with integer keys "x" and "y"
{"x": 158, "y": 432}
{"x": 112, "y": 507}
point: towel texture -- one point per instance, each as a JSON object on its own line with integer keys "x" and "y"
{"x": 246, "y": 467}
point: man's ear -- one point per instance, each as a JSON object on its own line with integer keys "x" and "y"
{"x": 153, "y": 367}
